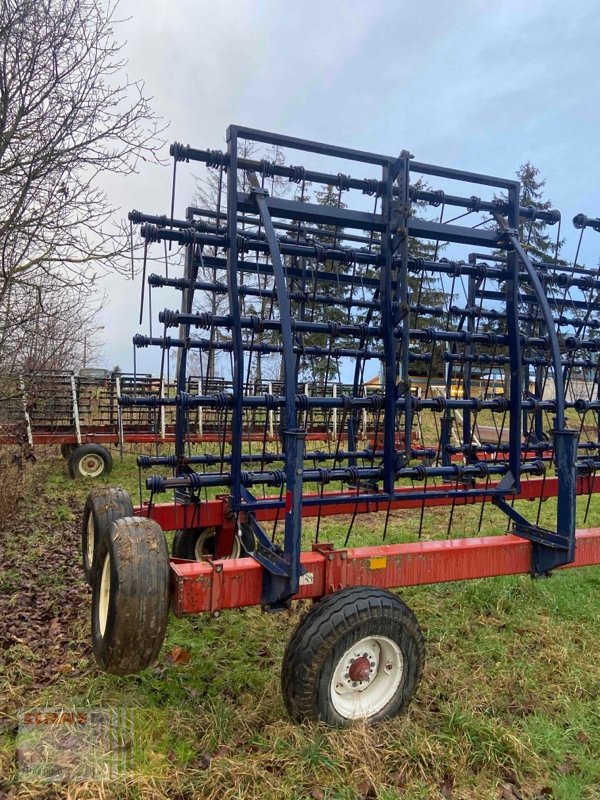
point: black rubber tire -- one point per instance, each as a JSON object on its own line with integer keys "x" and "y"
{"x": 324, "y": 635}
{"x": 66, "y": 450}
{"x": 102, "y": 507}
{"x": 77, "y": 461}
{"x": 137, "y": 608}
{"x": 185, "y": 544}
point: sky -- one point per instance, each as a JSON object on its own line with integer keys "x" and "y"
{"x": 479, "y": 86}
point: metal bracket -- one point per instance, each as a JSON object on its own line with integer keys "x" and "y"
{"x": 336, "y": 563}
{"x": 550, "y": 549}
{"x": 216, "y": 585}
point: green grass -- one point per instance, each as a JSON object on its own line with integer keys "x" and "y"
{"x": 508, "y": 703}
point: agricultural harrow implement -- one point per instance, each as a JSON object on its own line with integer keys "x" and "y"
{"x": 310, "y": 259}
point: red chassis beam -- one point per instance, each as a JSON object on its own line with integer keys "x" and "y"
{"x": 213, "y": 513}
{"x": 212, "y": 586}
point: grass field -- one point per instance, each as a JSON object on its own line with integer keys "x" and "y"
{"x": 508, "y": 707}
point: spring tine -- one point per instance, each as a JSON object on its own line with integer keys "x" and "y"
{"x": 143, "y": 281}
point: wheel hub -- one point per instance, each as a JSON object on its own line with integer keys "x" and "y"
{"x": 366, "y": 677}
{"x": 91, "y": 466}
{"x": 360, "y": 670}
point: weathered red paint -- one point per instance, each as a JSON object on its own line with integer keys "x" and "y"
{"x": 213, "y": 512}
{"x": 216, "y": 585}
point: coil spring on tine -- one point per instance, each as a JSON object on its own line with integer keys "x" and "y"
{"x": 587, "y": 466}
{"x": 269, "y": 401}
{"x": 168, "y": 317}
{"x": 490, "y": 339}
{"x": 439, "y": 404}
{"x": 205, "y": 320}
{"x": 353, "y": 474}
{"x": 320, "y": 253}
{"x": 343, "y": 182}
{"x": 242, "y": 243}
{"x": 480, "y": 470}
{"x": 195, "y": 480}
{"x": 459, "y": 472}
{"x": 371, "y": 186}
{"x": 440, "y": 197}
{"x": 155, "y": 483}
{"x": 267, "y": 168}
{"x": 302, "y": 402}
{"x": 221, "y": 400}
{"x": 376, "y": 402}
{"x": 297, "y": 175}
{"x": 180, "y": 152}
{"x": 554, "y": 216}
{"x": 538, "y": 467}
{"x": 277, "y": 477}
{"x": 499, "y": 205}
{"x": 420, "y": 472}
{"x": 141, "y": 341}
{"x": 324, "y": 476}
{"x": 475, "y": 203}
{"x": 346, "y": 402}
{"x": 188, "y": 236}
{"x": 319, "y": 455}
{"x": 183, "y": 400}
{"x": 151, "y": 233}
{"x": 500, "y": 404}
{"x": 257, "y": 323}
{"x": 593, "y": 345}
{"x": 215, "y": 159}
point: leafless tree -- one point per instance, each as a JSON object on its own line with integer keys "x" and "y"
{"x": 68, "y": 114}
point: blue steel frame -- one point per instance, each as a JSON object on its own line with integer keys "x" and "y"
{"x": 394, "y": 225}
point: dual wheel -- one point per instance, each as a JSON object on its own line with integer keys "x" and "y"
{"x": 87, "y": 460}
{"x": 358, "y": 654}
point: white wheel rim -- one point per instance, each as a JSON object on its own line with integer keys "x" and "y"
{"x": 90, "y": 541}
{"x": 104, "y": 595}
{"x": 91, "y": 465}
{"x": 201, "y": 550}
{"x": 366, "y": 677}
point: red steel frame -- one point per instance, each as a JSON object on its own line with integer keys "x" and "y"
{"x": 213, "y": 585}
